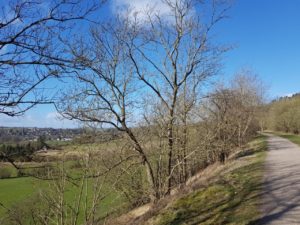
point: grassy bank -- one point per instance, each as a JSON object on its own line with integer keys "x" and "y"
{"x": 232, "y": 199}
{"x": 292, "y": 137}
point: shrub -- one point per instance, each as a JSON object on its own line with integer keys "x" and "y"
{"x": 46, "y": 171}
{"x": 5, "y": 173}
{"x": 76, "y": 165}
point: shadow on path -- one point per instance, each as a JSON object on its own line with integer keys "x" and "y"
{"x": 281, "y": 187}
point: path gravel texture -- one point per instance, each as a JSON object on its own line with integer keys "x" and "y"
{"x": 281, "y": 188}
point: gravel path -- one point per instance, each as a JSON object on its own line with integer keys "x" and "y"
{"x": 281, "y": 197}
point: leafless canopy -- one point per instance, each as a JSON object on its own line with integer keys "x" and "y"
{"x": 163, "y": 60}
{"x": 31, "y": 50}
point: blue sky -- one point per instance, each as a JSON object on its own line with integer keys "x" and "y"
{"x": 266, "y": 34}
{"x": 266, "y": 38}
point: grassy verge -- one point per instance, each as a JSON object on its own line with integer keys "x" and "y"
{"x": 231, "y": 199}
{"x": 292, "y": 137}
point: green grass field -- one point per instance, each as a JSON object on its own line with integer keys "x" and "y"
{"x": 17, "y": 191}
{"x": 232, "y": 199}
{"x": 14, "y": 190}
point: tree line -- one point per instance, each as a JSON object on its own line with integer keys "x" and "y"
{"x": 283, "y": 115}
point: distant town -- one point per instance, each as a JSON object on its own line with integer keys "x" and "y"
{"x": 18, "y": 134}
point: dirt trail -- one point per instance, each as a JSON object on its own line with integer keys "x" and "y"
{"x": 281, "y": 196}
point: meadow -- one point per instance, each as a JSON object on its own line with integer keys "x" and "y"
{"x": 19, "y": 192}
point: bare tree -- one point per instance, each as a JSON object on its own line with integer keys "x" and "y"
{"x": 33, "y": 50}
{"x": 106, "y": 88}
{"x": 177, "y": 54}
{"x": 232, "y": 114}
{"x": 31, "y": 47}
{"x": 128, "y": 60}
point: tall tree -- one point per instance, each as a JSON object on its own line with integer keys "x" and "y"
{"x": 177, "y": 54}
{"x": 129, "y": 60}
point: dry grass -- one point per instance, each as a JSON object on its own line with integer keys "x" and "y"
{"x": 220, "y": 194}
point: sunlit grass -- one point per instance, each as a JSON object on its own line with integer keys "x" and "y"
{"x": 19, "y": 190}
{"x": 233, "y": 199}
{"x": 292, "y": 137}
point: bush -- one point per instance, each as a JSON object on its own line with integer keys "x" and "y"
{"x": 134, "y": 188}
{"x": 76, "y": 165}
{"x": 5, "y": 173}
{"x": 46, "y": 171}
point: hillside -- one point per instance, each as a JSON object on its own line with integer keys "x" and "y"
{"x": 283, "y": 114}
{"x": 221, "y": 194}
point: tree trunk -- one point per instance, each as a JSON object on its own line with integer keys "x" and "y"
{"x": 150, "y": 174}
{"x": 170, "y": 155}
